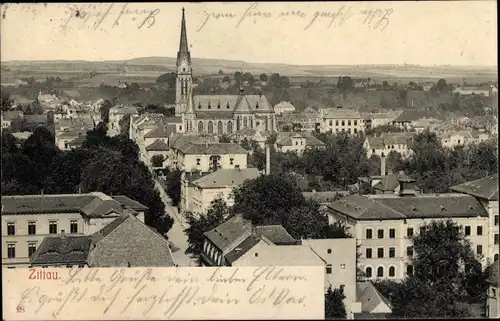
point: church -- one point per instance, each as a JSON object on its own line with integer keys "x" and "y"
{"x": 216, "y": 114}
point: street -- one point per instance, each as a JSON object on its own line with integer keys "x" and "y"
{"x": 176, "y": 234}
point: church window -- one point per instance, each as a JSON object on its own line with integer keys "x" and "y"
{"x": 200, "y": 127}
{"x": 244, "y": 122}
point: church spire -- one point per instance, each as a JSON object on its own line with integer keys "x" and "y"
{"x": 183, "y": 45}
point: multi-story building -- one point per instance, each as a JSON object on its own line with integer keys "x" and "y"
{"x": 284, "y": 107}
{"x": 383, "y": 224}
{"x": 339, "y": 120}
{"x": 485, "y": 190}
{"x": 124, "y": 242}
{"x": 28, "y": 219}
{"x": 66, "y": 139}
{"x": 297, "y": 142}
{"x": 116, "y": 114}
{"x": 388, "y": 142}
{"x": 376, "y": 119}
{"x": 406, "y": 119}
{"x": 198, "y": 191}
{"x": 453, "y": 139}
{"x": 493, "y": 294}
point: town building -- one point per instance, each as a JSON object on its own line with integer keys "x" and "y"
{"x": 8, "y": 117}
{"x": 339, "y": 120}
{"x": 374, "y": 305}
{"x": 465, "y": 90}
{"x": 376, "y": 119}
{"x": 28, "y": 219}
{"x": 124, "y": 242}
{"x": 486, "y": 191}
{"x": 66, "y": 140}
{"x": 216, "y": 114}
{"x": 297, "y": 142}
{"x": 284, "y": 107}
{"x": 462, "y": 138}
{"x": 387, "y": 143}
{"x": 383, "y": 224}
{"x": 116, "y": 114}
{"x": 493, "y": 294}
{"x": 406, "y": 119}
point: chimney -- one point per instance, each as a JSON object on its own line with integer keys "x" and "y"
{"x": 407, "y": 187}
{"x": 268, "y": 160}
{"x": 382, "y": 164}
{"x": 63, "y": 233}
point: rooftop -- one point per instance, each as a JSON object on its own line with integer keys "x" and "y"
{"x": 227, "y": 178}
{"x": 191, "y": 148}
{"x": 339, "y": 113}
{"x": 95, "y": 204}
{"x": 157, "y": 145}
{"x": 69, "y": 249}
{"x": 230, "y": 231}
{"x": 276, "y": 234}
{"x": 395, "y": 207}
{"x": 485, "y": 188}
{"x": 162, "y": 131}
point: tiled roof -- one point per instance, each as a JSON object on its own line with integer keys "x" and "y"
{"x": 232, "y": 230}
{"x": 242, "y": 248}
{"x": 285, "y": 139}
{"x": 157, "y": 145}
{"x": 322, "y": 197}
{"x": 485, "y": 188}
{"x": 393, "y": 207}
{"x": 293, "y": 255}
{"x": 382, "y": 141}
{"x": 178, "y": 140}
{"x": 336, "y": 113}
{"x": 11, "y": 114}
{"x": 69, "y": 249}
{"x": 35, "y": 118}
{"x": 217, "y": 148}
{"x": 227, "y": 178}
{"x": 276, "y": 234}
{"x": 123, "y": 109}
{"x": 94, "y": 204}
{"x": 390, "y": 181}
{"x": 369, "y": 297}
{"x": 285, "y": 104}
{"x": 78, "y": 141}
{"x": 127, "y": 241}
{"x": 216, "y": 114}
{"x": 173, "y": 120}
{"x": 72, "y": 133}
{"x": 411, "y": 115}
{"x": 162, "y": 131}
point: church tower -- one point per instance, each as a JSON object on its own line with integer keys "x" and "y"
{"x": 184, "y": 81}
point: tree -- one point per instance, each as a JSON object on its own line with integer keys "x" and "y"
{"x": 334, "y": 304}
{"x": 168, "y": 79}
{"x": 198, "y": 225}
{"x": 224, "y": 139}
{"x": 263, "y": 77}
{"x": 226, "y": 79}
{"x": 442, "y": 86}
{"x": 64, "y": 174}
{"x": 105, "y": 107}
{"x": 173, "y": 190}
{"x": 267, "y": 199}
{"x": 6, "y": 101}
{"x": 447, "y": 275}
{"x": 221, "y": 72}
{"x": 238, "y": 77}
{"x": 157, "y": 160}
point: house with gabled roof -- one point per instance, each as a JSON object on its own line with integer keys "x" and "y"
{"x": 297, "y": 142}
{"x": 383, "y": 224}
{"x": 30, "y": 218}
{"x": 374, "y": 305}
{"x": 198, "y": 194}
{"x": 485, "y": 190}
{"x": 124, "y": 242}
{"x": 388, "y": 142}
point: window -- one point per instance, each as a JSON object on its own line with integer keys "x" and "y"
{"x": 355, "y": 130}
{"x": 392, "y": 271}
{"x": 409, "y": 232}
{"x": 343, "y": 123}
{"x": 348, "y": 123}
{"x": 392, "y": 233}
{"x": 198, "y": 160}
{"x": 467, "y": 230}
{"x": 380, "y": 252}
{"x": 479, "y": 250}
{"x": 31, "y": 248}
{"x": 329, "y": 251}
{"x": 180, "y": 128}
{"x": 380, "y": 271}
{"x": 368, "y": 272}
{"x": 368, "y": 253}
{"x": 31, "y": 228}
{"x": 368, "y": 234}
{"x": 496, "y": 220}
{"x": 409, "y": 270}
{"x": 496, "y": 239}
{"x": 231, "y": 161}
{"x": 480, "y": 230}
{"x": 52, "y": 227}
{"x": 11, "y": 251}
{"x": 495, "y": 257}
{"x": 11, "y": 228}
{"x": 328, "y": 269}
{"x": 342, "y": 266}
{"x": 409, "y": 251}
{"x": 256, "y": 254}
{"x": 342, "y": 287}
{"x": 73, "y": 226}
{"x": 392, "y": 252}
{"x": 355, "y": 123}
{"x": 336, "y": 123}
{"x": 380, "y": 234}
{"x": 422, "y": 230}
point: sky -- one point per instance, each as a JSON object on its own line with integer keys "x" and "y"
{"x": 301, "y": 33}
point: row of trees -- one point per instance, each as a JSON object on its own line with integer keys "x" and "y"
{"x": 107, "y": 164}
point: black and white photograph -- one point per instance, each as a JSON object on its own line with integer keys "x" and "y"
{"x": 249, "y": 160}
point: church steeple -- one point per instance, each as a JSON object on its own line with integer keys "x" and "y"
{"x": 183, "y": 45}
{"x": 184, "y": 71}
